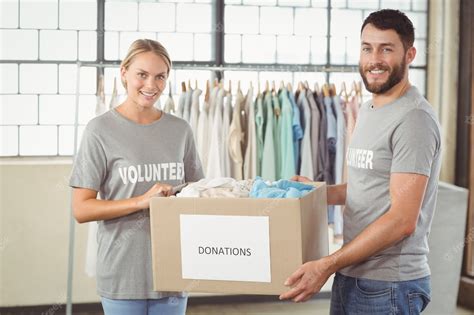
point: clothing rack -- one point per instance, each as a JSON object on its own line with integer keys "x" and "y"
{"x": 177, "y": 66}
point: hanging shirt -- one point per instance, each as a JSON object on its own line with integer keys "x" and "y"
{"x": 306, "y": 157}
{"x": 203, "y": 138}
{"x": 287, "y": 165}
{"x": 331, "y": 140}
{"x": 276, "y": 133}
{"x": 114, "y": 99}
{"x": 250, "y": 159}
{"x": 169, "y": 105}
{"x": 315, "y": 122}
{"x": 100, "y": 105}
{"x": 181, "y": 103}
{"x": 268, "y": 158}
{"x": 339, "y": 164}
{"x": 226, "y": 115}
{"x": 235, "y": 139}
{"x": 259, "y": 124}
{"x": 187, "y": 105}
{"x": 297, "y": 130}
{"x": 323, "y": 145}
{"x": 194, "y": 116}
{"x": 216, "y": 147}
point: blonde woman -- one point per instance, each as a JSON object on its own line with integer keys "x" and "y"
{"x": 128, "y": 155}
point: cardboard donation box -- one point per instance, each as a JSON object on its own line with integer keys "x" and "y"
{"x": 235, "y": 245}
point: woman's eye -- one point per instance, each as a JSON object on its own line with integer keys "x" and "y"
{"x": 142, "y": 75}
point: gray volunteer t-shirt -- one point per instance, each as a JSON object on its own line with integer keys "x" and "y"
{"x": 399, "y": 137}
{"x": 121, "y": 159}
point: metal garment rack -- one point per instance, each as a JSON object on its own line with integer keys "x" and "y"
{"x": 176, "y": 66}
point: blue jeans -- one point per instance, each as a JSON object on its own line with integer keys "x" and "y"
{"x": 172, "y": 305}
{"x": 364, "y": 296}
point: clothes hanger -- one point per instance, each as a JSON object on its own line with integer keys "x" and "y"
{"x": 183, "y": 86}
{"x": 326, "y": 90}
{"x": 343, "y": 92}
{"x": 289, "y": 87}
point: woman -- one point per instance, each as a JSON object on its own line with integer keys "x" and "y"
{"x": 130, "y": 154}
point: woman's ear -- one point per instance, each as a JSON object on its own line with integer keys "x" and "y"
{"x": 123, "y": 72}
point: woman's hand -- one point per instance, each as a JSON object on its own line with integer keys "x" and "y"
{"x": 158, "y": 190}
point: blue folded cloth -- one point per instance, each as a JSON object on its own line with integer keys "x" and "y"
{"x": 280, "y": 189}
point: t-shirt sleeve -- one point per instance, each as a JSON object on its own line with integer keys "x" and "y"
{"x": 89, "y": 167}
{"x": 415, "y": 143}
{"x": 192, "y": 164}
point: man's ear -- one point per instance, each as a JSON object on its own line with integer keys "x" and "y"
{"x": 410, "y": 55}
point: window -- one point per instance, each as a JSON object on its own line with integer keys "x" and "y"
{"x": 38, "y": 73}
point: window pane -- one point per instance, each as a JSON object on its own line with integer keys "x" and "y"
{"x": 18, "y": 109}
{"x": 50, "y": 50}
{"x": 311, "y": 22}
{"x": 111, "y": 43}
{"x": 420, "y": 5}
{"x": 66, "y": 139}
{"x": 318, "y": 50}
{"x": 39, "y": 14}
{"x": 395, "y": 4}
{"x": 78, "y": 15}
{"x": 194, "y": 18}
{"x": 260, "y": 2}
{"x": 245, "y": 77}
{"x": 38, "y": 78}
{"x": 345, "y": 50}
{"x": 420, "y": 58}
{"x": 157, "y": 17}
{"x": 9, "y": 140}
{"x": 127, "y": 38}
{"x": 275, "y": 76}
{"x": 241, "y": 20}
{"x": 293, "y": 49}
{"x": 296, "y": 3}
{"x": 419, "y": 22}
{"x": 338, "y": 4}
{"x": 179, "y": 45}
{"x": 87, "y": 105}
{"x": 56, "y": 109}
{"x": 9, "y": 14}
{"x": 115, "y": 13}
{"x": 202, "y": 47}
{"x": 418, "y": 79}
{"x": 340, "y": 19}
{"x": 38, "y": 140}
{"x": 258, "y": 48}
{"x": 276, "y": 20}
{"x": 363, "y": 4}
{"x": 321, "y": 3}
{"x": 14, "y": 49}
{"x": 67, "y": 79}
{"x": 8, "y": 78}
{"x": 233, "y": 48}
{"x": 311, "y": 77}
{"x": 87, "y": 46}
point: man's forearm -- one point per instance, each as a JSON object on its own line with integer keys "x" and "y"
{"x": 381, "y": 234}
{"x": 336, "y": 194}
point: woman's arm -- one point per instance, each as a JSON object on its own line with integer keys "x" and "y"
{"x": 86, "y": 206}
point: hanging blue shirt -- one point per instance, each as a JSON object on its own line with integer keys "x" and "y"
{"x": 297, "y": 129}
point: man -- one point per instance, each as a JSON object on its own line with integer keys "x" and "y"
{"x": 393, "y": 168}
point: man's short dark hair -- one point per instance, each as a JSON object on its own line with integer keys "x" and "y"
{"x": 389, "y": 19}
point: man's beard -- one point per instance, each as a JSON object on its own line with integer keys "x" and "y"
{"x": 397, "y": 74}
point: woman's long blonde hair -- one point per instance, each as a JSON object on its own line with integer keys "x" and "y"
{"x": 145, "y": 45}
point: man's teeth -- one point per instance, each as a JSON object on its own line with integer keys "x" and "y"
{"x": 377, "y": 71}
{"x": 148, "y": 94}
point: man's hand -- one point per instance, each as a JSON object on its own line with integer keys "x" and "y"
{"x": 302, "y": 179}
{"x": 308, "y": 280}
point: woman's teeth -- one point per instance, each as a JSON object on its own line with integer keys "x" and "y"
{"x": 148, "y": 94}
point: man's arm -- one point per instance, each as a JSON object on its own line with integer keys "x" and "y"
{"x": 336, "y": 194}
{"x": 406, "y": 193}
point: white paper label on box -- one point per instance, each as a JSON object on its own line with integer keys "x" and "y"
{"x": 225, "y": 247}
